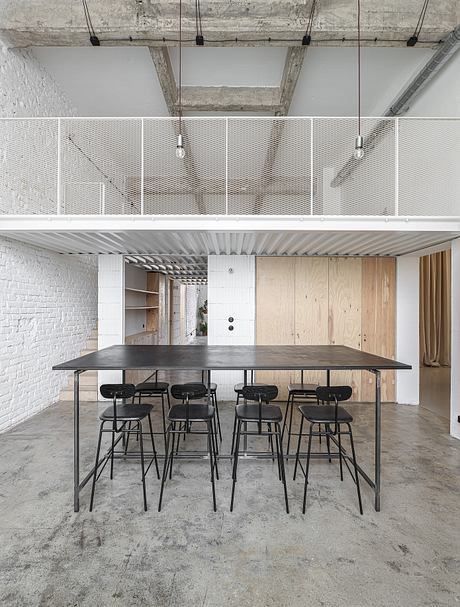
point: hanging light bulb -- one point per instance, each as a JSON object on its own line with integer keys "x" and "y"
{"x": 359, "y": 141}
{"x": 359, "y": 151}
{"x": 180, "y": 150}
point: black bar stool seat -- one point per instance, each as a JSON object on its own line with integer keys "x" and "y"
{"x": 132, "y": 413}
{"x": 196, "y": 413}
{"x": 151, "y": 387}
{"x": 325, "y": 414}
{"x": 268, "y": 413}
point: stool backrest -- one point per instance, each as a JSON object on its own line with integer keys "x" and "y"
{"x": 117, "y": 392}
{"x": 331, "y": 394}
{"x": 261, "y": 394}
{"x": 334, "y": 394}
{"x": 186, "y": 393}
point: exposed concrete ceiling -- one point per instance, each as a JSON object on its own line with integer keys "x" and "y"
{"x": 257, "y": 23}
{"x": 384, "y": 22}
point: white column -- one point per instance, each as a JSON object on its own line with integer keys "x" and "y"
{"x": 407, "y": 329}
{"x": 455, "y": 347}
{"x": 111, "y": 308}
{"x": 231, "y": 294}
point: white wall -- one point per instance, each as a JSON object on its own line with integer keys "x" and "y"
{"x": 455, "y": 352}
{"x": 48, "y": 302}
{"x": 48, "y": 308}
{"x": 231, "y": 294}
{"x": 407, "y": 329}
{"x": 111, "y": 308}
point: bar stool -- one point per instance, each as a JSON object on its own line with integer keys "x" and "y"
{"x": 260, "y": 413}
{"x": 180, "y": 419}
{"x": 297, "y": 392}
{"x": 154, "y": 389}
{"x": 119, "y": 415}
{"x": 213, "y": 390}
{"x": 329, "y": 415}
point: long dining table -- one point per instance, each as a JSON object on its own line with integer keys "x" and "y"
{"x": 246, "y": 358}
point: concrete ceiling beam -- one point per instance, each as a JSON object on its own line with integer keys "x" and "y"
{"x": 230, "y": 98}
{"x": 251, "y": 22}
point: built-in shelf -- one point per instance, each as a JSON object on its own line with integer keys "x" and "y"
{"x": 141, "y": 291}
{"x": 141, "y": 308}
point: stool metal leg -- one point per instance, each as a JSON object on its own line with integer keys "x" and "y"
{"x": 356, "y": 469}
{"x": 286, "y": 415}
{"x": 141, "y": 447}
{"x": 216, "y": 407}
{"x": 153, "y": 447}
{"x": 307, "y": 469}
{"x": 233, "y": 436}
{"x": 211, "y": 456}
{"x": 290, "y": 425}
{"x": 235, "y": 463}
{"x": 111, "y": 455}
{"x": 98, "y": 450}
{"x": 174, "y": 438}
{"x": 328, "y": 441}
{"x": 279, "y": 450}
{"x": 339, "y": 440}
{"x": 166, "y": 465}
{"x": 298, "y": 448}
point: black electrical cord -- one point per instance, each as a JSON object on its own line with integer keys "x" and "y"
{"x": 307, "y": 36}
{"x": 199, "y": 29}
{"x": 165, "y": 40}
{"x": 89, "y": 24}
{"x": 418, "y": 28}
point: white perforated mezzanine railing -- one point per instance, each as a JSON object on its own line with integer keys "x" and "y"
{"x": 233, "y": 166}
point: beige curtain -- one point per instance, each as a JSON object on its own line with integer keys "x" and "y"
{"x": 435, "y": 309}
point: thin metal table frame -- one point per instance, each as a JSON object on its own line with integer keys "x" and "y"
{"x": 79, "y": 367}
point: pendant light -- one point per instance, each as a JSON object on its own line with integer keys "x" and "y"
{"x": 180, "y": 150}
{"x": 359, "y": 141}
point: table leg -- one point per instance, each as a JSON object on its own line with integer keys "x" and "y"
{"x": 328, "y": 377}
{"x": 378, "y": 438}
{"x": 76, "y": 441}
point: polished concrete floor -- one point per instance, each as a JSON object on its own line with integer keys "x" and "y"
{"x": 435, "y": 391}
{"x": 406, "y": 555}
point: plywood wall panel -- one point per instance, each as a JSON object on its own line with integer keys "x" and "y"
{"x": 378, "y": 321}
{"x": 275, "y": 316}
{"x": 349, "y": 301}
{"x": 311, "y": 293}
{"x": 345, "y": 276}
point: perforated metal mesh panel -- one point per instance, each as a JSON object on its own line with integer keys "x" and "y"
{"x": 239, "y": 166}
{"x": 269, "y": 166}
{"x": 28, "y": 165}
{"x": 101, "y": 151}
{"x": 429, "y": 167}
{"x": 344, "y": 185}
{"x": 194, "y": 185}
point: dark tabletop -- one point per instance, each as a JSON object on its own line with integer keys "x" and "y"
{"x": 190, "y": 357}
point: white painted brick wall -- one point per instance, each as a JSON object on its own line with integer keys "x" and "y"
{"x": 48, "y": 307}
{"x": 48, "y": 302}
{"x": 26, "y": 88}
